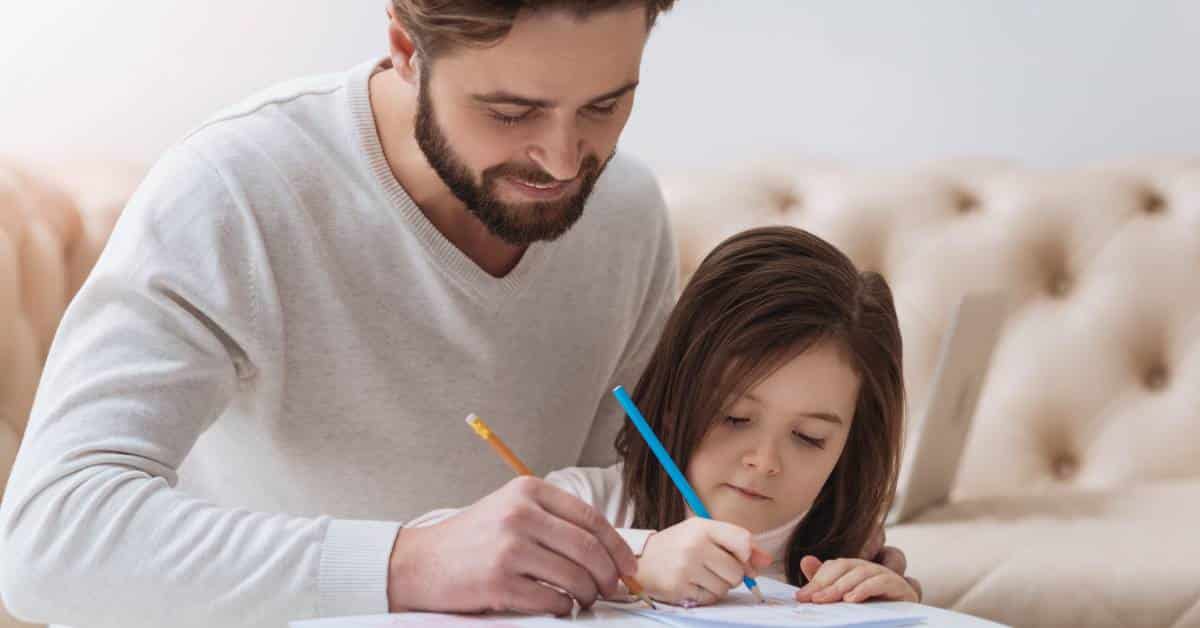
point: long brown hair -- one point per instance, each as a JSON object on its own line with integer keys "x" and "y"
{"x": 757, "y": 300}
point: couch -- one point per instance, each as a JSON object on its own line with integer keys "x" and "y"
{"x": 1079, "y": 492}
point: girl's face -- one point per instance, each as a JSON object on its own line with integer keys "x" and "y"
{"x": 764, "y": 462}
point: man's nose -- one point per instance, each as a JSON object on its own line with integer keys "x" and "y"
{"x": 559, "y": 152}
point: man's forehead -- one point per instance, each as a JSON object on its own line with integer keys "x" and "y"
{"x": 555, "y": 56}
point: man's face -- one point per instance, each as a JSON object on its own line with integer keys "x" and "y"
{"x": 520, "y": 131}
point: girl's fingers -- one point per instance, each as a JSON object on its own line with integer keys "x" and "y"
{"x": 724, "y": 565}
{"x": 887, "y": 586}
{"x": 831, "y": 571}
{"x": 701, "y": 595}
{"x": 892, "y": 558}
{"x": 711, "y": 582}
{"x": 846, "y": 583}
{"x": 809, "y": 565}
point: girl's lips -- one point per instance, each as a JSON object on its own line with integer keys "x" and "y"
{"x": 747, "y": 492}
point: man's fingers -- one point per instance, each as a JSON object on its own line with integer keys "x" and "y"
{"x": 565, "y": 506}
{"x": 526, "y": 596}
{"x": 580, "y": 548}
{"x": 551, "y": 568}
{"x": 892, "y": 558}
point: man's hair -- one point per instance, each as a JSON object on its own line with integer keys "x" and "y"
{"x": 436, "y": 26}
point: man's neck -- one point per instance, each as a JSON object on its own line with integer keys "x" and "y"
{"x": 393, "y": 104}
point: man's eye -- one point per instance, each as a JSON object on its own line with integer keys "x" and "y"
{"x": 506, "y": 119}
{"x": 603, "y": 109}
{"x": 736, "y": 420}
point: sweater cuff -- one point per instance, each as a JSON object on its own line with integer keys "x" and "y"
{"x": 635, "y": 539}
{"x": 354, "y": 567}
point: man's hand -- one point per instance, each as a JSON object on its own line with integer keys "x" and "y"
{"x": 496, "y": 555}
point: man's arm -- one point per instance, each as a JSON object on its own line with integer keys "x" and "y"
{"x": 160, "y": 339}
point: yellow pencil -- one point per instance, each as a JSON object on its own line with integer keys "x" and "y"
{"x": 513, "y": 461}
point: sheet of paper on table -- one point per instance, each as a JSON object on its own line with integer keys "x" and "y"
{"x": 738, "y": 609}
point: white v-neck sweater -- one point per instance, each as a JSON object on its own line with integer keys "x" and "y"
{"x": 268, "y": 369}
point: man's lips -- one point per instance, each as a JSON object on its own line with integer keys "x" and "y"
{"x": 540, "y": 190}
{"x": 752, "y": 494}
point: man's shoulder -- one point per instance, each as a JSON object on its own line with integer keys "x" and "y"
{"x": 281, "y": 123}
{"x": 626, "y": 203}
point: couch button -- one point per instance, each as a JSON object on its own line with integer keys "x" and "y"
{"x": 1060, "y": 286}
{"x": 1156, "y": 377}
{"x": 1064, "y": 467}
{"x": 967, "y": 203}
{"x": 785, "y": 201}
{"x": 1155, "y": 203}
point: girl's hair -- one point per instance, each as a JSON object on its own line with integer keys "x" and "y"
{"x": 759, "y": 299}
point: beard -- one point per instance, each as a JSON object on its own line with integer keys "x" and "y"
{"x": 519, "y": 224}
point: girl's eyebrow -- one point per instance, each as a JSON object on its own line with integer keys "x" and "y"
{"x": 831, "y": 417}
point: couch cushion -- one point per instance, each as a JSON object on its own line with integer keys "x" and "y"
{"x": 1119, "y": 558}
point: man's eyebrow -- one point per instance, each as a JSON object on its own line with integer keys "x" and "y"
{"x": 502, "y": 97}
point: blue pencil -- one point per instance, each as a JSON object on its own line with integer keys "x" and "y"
{"x": 672, "y": 469}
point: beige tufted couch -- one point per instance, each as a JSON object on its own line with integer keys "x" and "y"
{"x": 1079, "y": 498}
{"x": 1080, "y": 493}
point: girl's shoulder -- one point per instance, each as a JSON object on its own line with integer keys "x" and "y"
{"x": 601, "y": 487}
{"x": 591, "y": 484}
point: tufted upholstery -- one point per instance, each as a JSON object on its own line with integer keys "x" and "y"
{"x": 51, "y": 232}
{"x": 1080, "y": 488}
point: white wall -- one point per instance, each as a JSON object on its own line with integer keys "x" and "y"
{"x": 868, "y": 82}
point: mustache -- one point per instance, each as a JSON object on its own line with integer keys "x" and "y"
{"x": 536, "y": 175}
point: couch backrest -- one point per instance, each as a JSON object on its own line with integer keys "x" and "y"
{"x": 1096, "y": 381}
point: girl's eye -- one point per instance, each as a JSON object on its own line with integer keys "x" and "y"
{"x": 508, "y": 120}
{"x": 736, "y": 421}
{"x": 819, "y": 443}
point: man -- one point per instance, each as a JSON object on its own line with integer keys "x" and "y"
{"x": 267, "y": 371}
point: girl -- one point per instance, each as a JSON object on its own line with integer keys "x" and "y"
{"x": 777, "y": 387}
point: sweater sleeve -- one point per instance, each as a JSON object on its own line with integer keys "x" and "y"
{"x": 159, "y": 341}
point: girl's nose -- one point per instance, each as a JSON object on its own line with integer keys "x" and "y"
{"x": 763, "y": 458}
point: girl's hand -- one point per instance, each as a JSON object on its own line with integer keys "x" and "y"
{"x": 852, "y": 580}
{"x": 698, "y": 561}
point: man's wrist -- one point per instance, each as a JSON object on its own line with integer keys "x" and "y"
{"x": 403, "y": 568}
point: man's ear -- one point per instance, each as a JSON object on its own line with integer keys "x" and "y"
{"x": 403, "y": 49}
